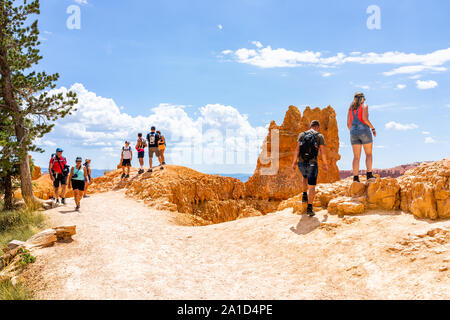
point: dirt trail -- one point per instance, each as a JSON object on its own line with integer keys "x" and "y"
{"x": 125, "y": 250}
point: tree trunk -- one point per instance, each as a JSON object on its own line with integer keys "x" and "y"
{"x": 25, "y": 174}
{"x": 11, "y": 103}
{"x": 7, "y": 187}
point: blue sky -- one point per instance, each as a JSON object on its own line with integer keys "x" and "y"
{"x": 241, "y": 64}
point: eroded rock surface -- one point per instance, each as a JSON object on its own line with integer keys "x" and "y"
{"x": 275, "y": 179}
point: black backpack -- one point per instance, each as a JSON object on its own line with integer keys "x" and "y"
{"x": 309, "y": 149}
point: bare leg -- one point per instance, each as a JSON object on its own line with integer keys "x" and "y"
{"x": 369, "y": 158}
{"x": 75, "y": 196}
{"x": 63, "y": 190}
{"x": 86, "y": 188}
{"x": 162, "y": 156}
{"x": 305, "y": 184}
{"x": 150, "y": 161}
{"x": 356, "y": 157}
{"x": 311, "y": 194}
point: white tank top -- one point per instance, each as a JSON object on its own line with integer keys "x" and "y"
{"x": 126, "y": 152}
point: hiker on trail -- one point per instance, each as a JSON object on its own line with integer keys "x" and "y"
{"x": 309, "y": 143}
{"x": 162, "y": 146}
{"x": 87, "y": 165}
{"x": 153, "y": 148}
{"x": 58, "y": 171}
{"x": 77, "y": 181}
{"x": 125, "y": 160}
{"x": 360, "y": 134}
{"x": 140, "y": 148}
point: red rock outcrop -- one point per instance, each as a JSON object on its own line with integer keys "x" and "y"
{"x": 425, "y": 190}
{"x": 274, "y": 177}
{"x": 43, "y": 189}
{"x": 213, "y": 198}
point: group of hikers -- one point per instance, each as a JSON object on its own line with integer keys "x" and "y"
{"x": 156, "y": 146}
{"x": 309, "y": 144}
{"x": 79, "y": 177}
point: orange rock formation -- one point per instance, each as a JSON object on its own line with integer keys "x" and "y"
{"x": 274, "y": 177}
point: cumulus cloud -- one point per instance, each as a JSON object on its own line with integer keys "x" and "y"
{"x": 266, "y": 57}
{"x": 429, "y": 140}
{"x": 220, "y": 27}
{"x": 400, "y": 86}
{"x": 99, "y": 126}
{"x": 400, "y": 127}
{"x": 81, "y": 1}
{"x": 426, "y": 132}
{"x": 425, "y": 85}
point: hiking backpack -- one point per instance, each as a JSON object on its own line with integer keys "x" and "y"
{"x": 309, "y": 148}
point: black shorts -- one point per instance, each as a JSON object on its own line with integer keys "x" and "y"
{"x": 309, "y": 171}
{"x": 78, "y": 185}
{"x": 141, "y": 154}
{"x": 126, "y": 163}
{"x": 60, "y": 180}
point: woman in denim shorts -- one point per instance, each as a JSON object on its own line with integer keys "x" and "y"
{"x": 360, "y": 134}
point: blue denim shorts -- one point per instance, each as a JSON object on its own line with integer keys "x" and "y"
{"x": 309, "y": 170}
{"x": 361, "y": 135}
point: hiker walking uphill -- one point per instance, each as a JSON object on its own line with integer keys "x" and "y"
{"x": 125, "y": 160}
{"x": 309, "y": 144}
{"x": 87, "y": 165}
{"x": 153, "y": 148}
{"x": 360, "y": 134}
{"x": 162, "y": 146}
{"x": 59, "y": 171}
{"x": 77, "y": 181}
{"x": 140, "y": 148}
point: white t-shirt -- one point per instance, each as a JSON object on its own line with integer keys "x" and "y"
{"x": 126, "y": 152}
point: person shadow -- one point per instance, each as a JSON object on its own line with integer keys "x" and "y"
{"x": 307, "y": 224}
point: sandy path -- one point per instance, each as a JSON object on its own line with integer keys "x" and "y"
{"x": 124, "y": 250}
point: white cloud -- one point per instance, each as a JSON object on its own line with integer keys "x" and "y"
{"x": 220, "y": 26}
{"x": 426, "y": 132}
{"x": 100, "y": 125}
{"x": 326, "y": 74}
{"x": 400, "y": 127}
{"x": 413, "y": 69}
{"x": 81, "y": 1}
{"x": 429, "y": 140}
{"x": 425, "y": 85}
{"x": 382, "y": 106}
{"x": 400, "y": 86}
{"x": 266, "y": 57}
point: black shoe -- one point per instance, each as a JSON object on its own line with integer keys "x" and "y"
{"x": 150, "y": 170}
{"x": 123, "y": 175}
{"x": 356, "y": 178}
{"x": 370, "y": 175}
{"x": 57, "y": 201}
{"x": 127, "y": 176}
{"x": 85, "y": 196}
{"x": 141, "y": 171}
{"x": 63, "y": 200}
{"x": 310, "y": 212}
{"x": 161, "y": 168}
{"x": 305, "y": 197}
{"x": 77, "y": 208}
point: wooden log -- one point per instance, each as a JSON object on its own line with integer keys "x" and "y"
{"x": 45, "y": 238}
{"x": 65, "y": 232}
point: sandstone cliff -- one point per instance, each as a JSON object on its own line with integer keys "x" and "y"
{"x": 274, "y": 177}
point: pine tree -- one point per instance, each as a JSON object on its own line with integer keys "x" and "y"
{"x": 25, "y": 94}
